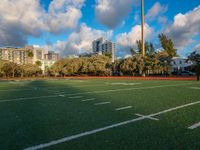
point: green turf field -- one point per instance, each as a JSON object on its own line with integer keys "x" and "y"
{"x": 100, "y": 115}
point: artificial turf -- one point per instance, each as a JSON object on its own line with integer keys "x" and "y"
{"x": 39, "y": 111}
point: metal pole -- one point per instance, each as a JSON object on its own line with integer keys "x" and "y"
{"x": 142, "y": 28}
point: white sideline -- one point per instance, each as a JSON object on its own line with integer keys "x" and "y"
{"x": 61, "y": 95}
{"x": 194, "y": 126}
{"x": 27, "y": 98}
{"x": 102, "y": 103}
{"x": 73, "y": 97}
{"x": 195, "y": 88}
{"x": 116, "y": 90}
{"x": 89, "y": 99}
{"x": 76, "y": 136}
{"x": 122, "y": 108}
{"x": 87, "y": 85}
{"x": 127, "y": 89}
{"x": 16, "y": 90}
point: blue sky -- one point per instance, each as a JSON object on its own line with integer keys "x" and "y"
{"x": 117, "y": 20}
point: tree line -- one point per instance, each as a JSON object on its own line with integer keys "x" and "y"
{"x": 11, "y": 69}
{"x": 154, "y": 63}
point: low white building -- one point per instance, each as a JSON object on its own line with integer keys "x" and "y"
{"x": 180, "y": 64}
{"x": 46, "y": 64}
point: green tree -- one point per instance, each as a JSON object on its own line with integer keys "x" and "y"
{"x": 133, "y": 52}
{"x": 38, "y": 63}
{"x": 149, "y": 48}
{"x": 30, "y": 54}
{"x": 195, "y": 58}
{"x": 167, "y": 45}
{"x": 128, "y": 66}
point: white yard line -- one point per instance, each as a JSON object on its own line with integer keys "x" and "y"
{"x": 148, "y": 117}
{"x": 123, "y": 108}
{"x": 102, "y": 103}
{"x": 61, "y": 95}
{"x": 89, "y": 99}
{"x": 195, "y": 88}
{"x": 74, "y": 97}
{"x": 17, "y": 90}
{"x": 27, "y": 98}
{"x": 83, "y": 134}
{"x": 194, "y": 126}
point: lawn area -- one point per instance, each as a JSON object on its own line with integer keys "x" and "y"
{"x": 99, "y": 114}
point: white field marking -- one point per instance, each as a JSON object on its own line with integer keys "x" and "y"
{"x": 73, "y": 97}
{"x": 89, "y": 99}
{"x": 17, "y": 90}
{"x": 50, "y": 90}
{"x": 122, "y": 108}
{"x": 196, "y": 88}
{"x": 78, "y": 80}
{"x": 83, "y": 134}
{"x": 148, "y": 117}
{"x": 128, "y": 89}
{"x": 62, "y": 95}
{"x": 122, "y": 83}
{"x": 88, "y": 85}
{"x": 116, "y": 90}
{"x": 196, "y": 125}
{"x": 27, "y": 98}
{"x": 102, "y": 103}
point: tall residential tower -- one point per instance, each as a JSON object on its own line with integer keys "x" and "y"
{"x": 103, "y": 46}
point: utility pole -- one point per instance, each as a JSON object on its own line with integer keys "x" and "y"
{"x": 142, "y": 28}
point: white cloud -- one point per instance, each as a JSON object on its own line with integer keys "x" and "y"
{"x": 64, "y": 14}
{"x": 156, "y": 10}
{"x": 80, "y": 41}
{"x": 185, "y": 27}
{"x": 197, "y": 48}
{"x": 22, "y": 18}
{"x": 129, "y": 39}
{"x": 111, "y": 12}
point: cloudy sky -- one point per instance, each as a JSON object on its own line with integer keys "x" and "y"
{"x": 69, "y": 26}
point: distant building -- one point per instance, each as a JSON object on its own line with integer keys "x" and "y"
{"x": 49, "y": 59}
{"x": 38, "y": 54}
{"x": 16, "y": 55}
{"x": 51, "y": 55}
{"x": 180, "y": 64}
{"x": 103, "y": 46}
{"x": 22, "y": 56}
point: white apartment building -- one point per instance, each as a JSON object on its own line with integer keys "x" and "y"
{"x": 16, "y": 55}
{"x": 20, "y": 56}
{"x": 103, "y": 46}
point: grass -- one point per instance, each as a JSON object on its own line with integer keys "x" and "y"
{"x": 28, "y": 122}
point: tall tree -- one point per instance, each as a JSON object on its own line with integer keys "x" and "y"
{"x": 167, "y": 45}
{"x": 133, "y": 52}
{"x": 149, "y": 48}
{"x": 195, "y": 58}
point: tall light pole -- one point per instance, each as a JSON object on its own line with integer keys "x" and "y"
{"x": 142, "y": 28}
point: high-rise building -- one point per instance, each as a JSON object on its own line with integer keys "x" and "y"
{"x": 51, "y": 55}
{"x": 103, "y": 46}
{"x": 38, "y": 54}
